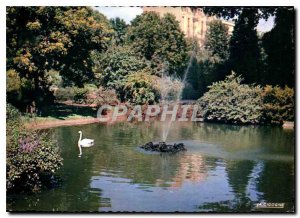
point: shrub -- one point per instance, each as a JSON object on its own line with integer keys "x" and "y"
{"x": 278, "y": 104}
{"x": 102, "y": 96}
{"x": 229, "y": 101}
{"x": 113, "y": 67}
{"x": 80, "y": 95}
{"x": 64, "y": 94}
{"x": 30, "y": 155}
{"x": 140, "y": 88}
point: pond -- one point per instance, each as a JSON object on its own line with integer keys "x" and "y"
{"x": 226, "y": 168}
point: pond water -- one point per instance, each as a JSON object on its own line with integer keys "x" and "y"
{"x": 225, "y": 169}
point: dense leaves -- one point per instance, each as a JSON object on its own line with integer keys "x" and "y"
{"x": 244, "y": 50}
{"x": 141, "y": 88}
{"x": 217, "y": 39}
{"x": 279, "y": 104}
{"x": 116, "y": 64}
{"x": 43, "y": 38}
{"x": 159, "y": 40}
{"x": 234, "y": 12}
{"x": 30, "y": 154}
{"x": 279, "y": 46}
{"x": 120, "y": 28}
{"x": 210, "y": 61}
{"x": 229, "y": 101}
{"x": 275, "y": 64}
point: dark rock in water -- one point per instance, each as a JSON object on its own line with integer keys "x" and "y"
{"x": 163, "y": 147}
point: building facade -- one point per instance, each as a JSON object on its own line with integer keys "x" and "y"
{"x": 193, "y": 22}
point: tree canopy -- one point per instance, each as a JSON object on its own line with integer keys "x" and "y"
{"x": 159, "y": 40}
{"x": 120, "y": 27}
{"x": 279, "y": 46}
{"x": 244, "y": 50}
{"x": 43, "y": 38}
{"x": 217, "y": 39}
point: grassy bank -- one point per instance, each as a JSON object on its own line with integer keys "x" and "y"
{"x": 61, "y": 114}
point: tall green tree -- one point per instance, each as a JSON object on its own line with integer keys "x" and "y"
{"x": 61, "y": 38}
{"x": 244, "y": 50}
{"x": 120, "y": 28}
{"x": 114, "y": 66}
{"x": 159, "y": 40}
{"x": 217, "y": 39}
{"x": 279, "y": 46}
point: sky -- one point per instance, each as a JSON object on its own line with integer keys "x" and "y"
{"x": 129, "y": 13}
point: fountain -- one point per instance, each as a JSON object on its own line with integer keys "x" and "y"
{"x": 170, "y": 85}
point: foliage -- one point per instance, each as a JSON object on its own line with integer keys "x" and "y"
{"x": 234, "y": 12}
{"x": 116, "y": 64}
{"x": 279, "y": 104}
{"x": 210, "y": 63}
{"x": 61, "y": 38}
{"x": 244, "y": 50}
{"x": 64, "y": 94}
{"x": 54, "y": 79}
{"x": 229, "y": 101}
{"x": 19, "y": 90}
{"x": 80, "y": 95}
{"x": 103, "y": 96}
{"x": 30, "y": 154}
{"x": 275, "y": 69}
{"x": 204, "y": 70}
{"x": 90, "y": 94}
{"x": 159, "y": 40}
{"x": 279, "y": 46}
{"x": 13, "y": 81}
{"x": 217, "y": 40}
{"x": 140, "y": 88}
{"x": 120, "y": 28}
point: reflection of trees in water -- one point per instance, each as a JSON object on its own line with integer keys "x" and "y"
{"x": 273, "y": 183}
{"x": 241, "y": 205}
{"x": 116, "y": 152}
{"x": 191, "y": 168}
{"x": 239, "y": 174}
{"x": 276, "y": 183}
{"x": 235, "y": 137}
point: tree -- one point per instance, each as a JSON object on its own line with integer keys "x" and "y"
{"x": 276, "y": 69}
{"x": 244, "y": 51}
{"x": 217, "y": 39}
{"x": 234, "y": 12}
{"x": 120, "y": 28}
{"x": 279, "y": 46}
{"x": 113, "y": 67}
{"x": 159, "y": 40}
{"x": 140, "y": 88}
{"x": 230, "y": 101}
{"x": 61, "y": 38}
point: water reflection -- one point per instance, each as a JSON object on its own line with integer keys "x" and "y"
{"x": 192, "y": 168}
{"x": 226, "y": 168}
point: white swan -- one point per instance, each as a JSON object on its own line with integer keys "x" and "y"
{"x": 84, "y": 143}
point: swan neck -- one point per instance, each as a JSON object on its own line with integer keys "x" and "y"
{"x": 80, "y": 137}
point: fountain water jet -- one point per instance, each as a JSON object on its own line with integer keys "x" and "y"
{"x": 166, "y": 86}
